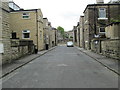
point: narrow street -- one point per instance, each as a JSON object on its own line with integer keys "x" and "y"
{"x": 63, "y": 67}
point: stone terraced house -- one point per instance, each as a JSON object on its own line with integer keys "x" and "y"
{"x": 28, "y": 25}
{"x": 5, "y": 44}
{"x": 96, "y": 17}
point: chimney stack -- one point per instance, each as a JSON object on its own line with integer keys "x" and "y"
{"x": 100, "y": 1}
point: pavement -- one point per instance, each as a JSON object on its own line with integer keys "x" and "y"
{"x": 111, "y": 64}
{"x": 11, "y": 67}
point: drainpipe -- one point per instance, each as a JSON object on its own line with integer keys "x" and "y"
{"x": 79, "y": 35}
{"x": 109, "y": 13}
{"x": 37, "y": 27}
{"x": 95, "y": 20}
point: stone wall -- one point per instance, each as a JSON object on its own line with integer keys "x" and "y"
{"x": 96, "y": 46}
{"x": 111, "y": 48}
{"x": 112, "y": 31}
{"x": 18, "y": 52}
{"x": 5, "y": 39}
{"x": 21, "y": 48}
{"x": 0, "y": 31}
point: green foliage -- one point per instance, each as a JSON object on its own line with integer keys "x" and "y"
{"x": 61, "y": 29}
{"x": 71, "y": 37}
{"x": 113, "y": 20}
{"x": 116, "y": 20}
{"x": 66, "y": 36}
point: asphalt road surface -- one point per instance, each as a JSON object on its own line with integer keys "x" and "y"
{"x": 63, "y": 67}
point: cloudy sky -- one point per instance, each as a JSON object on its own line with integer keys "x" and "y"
{"x": 63, "y": 13}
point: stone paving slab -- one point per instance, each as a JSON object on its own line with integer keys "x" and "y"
{"x": 8, "y": 68}
{"x": 110, "y": 63}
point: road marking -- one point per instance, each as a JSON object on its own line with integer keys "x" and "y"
{"x": 62, "y": 65}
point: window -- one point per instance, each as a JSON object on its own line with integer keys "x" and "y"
{"x": 14, "y": 6}
{"x": 26, "y": 15}
{"x": 101, "y": 30}
{"x": 14, "y": 35}
{"x": 26, "y": 34}
{"x": 46, "y": 24}
{"x": 102, "y": 13}
{"x": 1, "y": 48}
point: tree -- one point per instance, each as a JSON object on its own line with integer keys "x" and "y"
{"x": 71, "y": 36}
{"x": 61, "y": 29}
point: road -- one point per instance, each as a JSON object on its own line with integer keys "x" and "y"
{"x": 63, "y": 67}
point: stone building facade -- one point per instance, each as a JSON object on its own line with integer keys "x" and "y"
{"x": 111, "y": 46}
{"x": 70, "y": 35}
{"x": 59, "y": 36}
{"x": 5, "y": 44}
{"x": 81, "y": 25}
{"x": 46, "y": 33}
{"x": 78, "y": 34}
{"x": 96, "y": 17}
{"x": 54, "y": 37}
{"x": 10, "y": 49}
{"x": 28, "y": 25}
{"x": 112, "y": 31}
{"x": 75, "y": 35}
{"x": 50, "y": 34}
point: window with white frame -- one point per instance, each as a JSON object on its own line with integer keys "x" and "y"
{"x": 25, "y": 15}
{"x": 101, "y": 30}
{"x": 26, "y": 34}
{"x": 102, "y": 13}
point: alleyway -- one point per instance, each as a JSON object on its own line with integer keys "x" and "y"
{"x": 63, "y": 67}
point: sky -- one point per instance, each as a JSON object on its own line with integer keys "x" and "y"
{"x": 64, "y": 13}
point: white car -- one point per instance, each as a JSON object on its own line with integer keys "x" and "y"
{"x": 70, "y": 44}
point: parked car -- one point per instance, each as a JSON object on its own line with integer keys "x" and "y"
{"x": 70, "y": 44}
